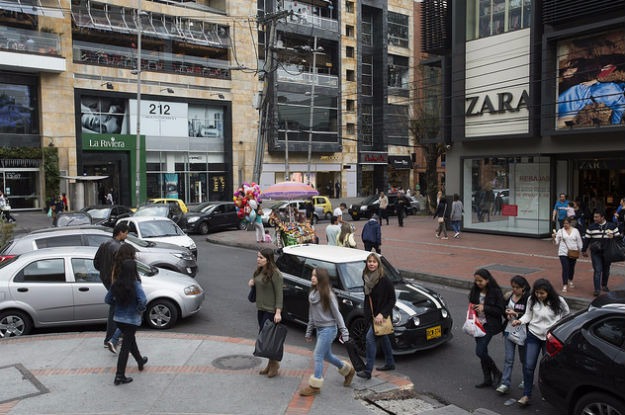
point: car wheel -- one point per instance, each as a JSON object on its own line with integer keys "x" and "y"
{"x": 355, "y": 217}
{"x": 203, "y": 228}
{"x": 161, "y": 314}
{"x": 599, "y": 403}
{"x": 358, "y": 332}
{"x": 14, "y": 323}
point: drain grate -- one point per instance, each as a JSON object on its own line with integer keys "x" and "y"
{"x": 18, "y": 383}
{"x": 511, "y": 269}
{"x": 236, "y": 362}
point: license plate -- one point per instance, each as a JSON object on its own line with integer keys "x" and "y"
{"x": 433, "y": 333}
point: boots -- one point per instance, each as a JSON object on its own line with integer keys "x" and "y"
{"x": 313, "y": 388}
{"x": 265, "y": 370}
{"x": 273, "y": 365}
{"x": 486, "y": 371}
{"x": 348, "y": 372}
{"x": 496, "y": 374}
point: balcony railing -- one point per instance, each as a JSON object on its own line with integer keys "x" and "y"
{"x": 29, "y": 41}
{"x": 330, "y": 81}
{"x": 311, "y": 20}
{"x": 106, "y": 55}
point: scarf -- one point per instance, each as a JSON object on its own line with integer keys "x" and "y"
{"x": 371, "y": 279}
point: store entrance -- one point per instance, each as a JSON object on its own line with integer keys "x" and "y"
{"x": 115, "y": 165}
{"x": 601, "y": 184}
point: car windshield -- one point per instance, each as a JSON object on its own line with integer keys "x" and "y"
{"x": 369, "y": 200}
{"x": 202, "y": 207}
{"x": 138, "y": 242}
{"x": 159, "y": 228}
{"x": 351, "y": 273}
{"x": 145, "y": 270}
{"x": 153, "y": 211}
{"x": 99, "y": 213}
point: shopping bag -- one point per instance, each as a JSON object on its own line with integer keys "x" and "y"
{"x": 613, "y": 250}
{"x": 518, "y": 334}
{"x": 472, "y": 325}
{"x": 270, "y": 341}
{"x": 354, "y": 357}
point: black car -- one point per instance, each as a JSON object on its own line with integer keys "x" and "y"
{"x": 370, "y": 205}
{"x": 107, "y": 215}
{"x": 210, "y": 216}
{"x": 421, "y": 318}
{"x": 583, "y": 370}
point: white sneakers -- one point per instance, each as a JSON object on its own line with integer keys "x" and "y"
{"x": 502, "y": 389}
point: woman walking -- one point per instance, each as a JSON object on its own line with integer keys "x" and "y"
{"x": 130, "y": 301}
{"x": 515, "y": 308}
{"x": 489, "y": 306}
{"x": 570, "y": 244}
{"x": 544, "y": 308}
{"x": 439, "y": 215}
{"x": 268, "y": 281}
{"x": 457, "y": 209}
{"x": 346, "y": 237}
{"x": 324, "y": 316}
{"x": 379, "y": 302}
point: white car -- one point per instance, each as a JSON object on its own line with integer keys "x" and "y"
{"x": 159, "y": 229}
{"x": 60, "y": 286}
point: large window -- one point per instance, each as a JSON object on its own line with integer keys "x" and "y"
{"x": 398, "y": 29}
{"x": 367, "y": 75}
{"x": 366, "y": 124}
{"x": 398, "y": 72}
{"x": 100, "y": 115}
{"x": 493, "y": 17}
{"x": 294, "y": 110}
{"x": 366, "y": 30}
{"x": 508, "y": 194}
{"x": 18, "y": 108}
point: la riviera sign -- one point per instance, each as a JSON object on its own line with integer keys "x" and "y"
{"x": 108, "y": 142}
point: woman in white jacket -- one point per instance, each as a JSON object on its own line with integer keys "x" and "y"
{"x": 544, "y": 308}
{"x": 567, "y": 239}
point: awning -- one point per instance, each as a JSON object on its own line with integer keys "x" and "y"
{"x": 33, "y": 7}
{"x": 400, "y": 162}
{"x": 85, "y": 178}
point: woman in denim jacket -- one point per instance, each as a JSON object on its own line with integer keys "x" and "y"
{"x": 130, "y": 301}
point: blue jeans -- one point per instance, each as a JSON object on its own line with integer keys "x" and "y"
{"x": 509, "y": 350}
{"x": 111, "y": 326}
{"x": 533, "y": 348}
{"x": 262, "y": 317}
{"x": 568, "y": 268}
{"x": 481, "y": 347}
{"x": 323, "y": 350}
{"x": 372, "y": 350}
{"x": 455, "y": 225}
{"x": 601, "y": 270}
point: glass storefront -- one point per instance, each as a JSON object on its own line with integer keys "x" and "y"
{"x": 507, "y": 194}
{"x": 21, "y": 187}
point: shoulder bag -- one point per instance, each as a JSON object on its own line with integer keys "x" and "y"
{"x": 381, "y": 329}
{"x": 571, "y": 253}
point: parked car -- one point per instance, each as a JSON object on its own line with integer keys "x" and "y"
{"x": 582, "y": 372}
{"x": 157, "y": 254}
{"x": 72, "y": 219}
{"x": 60, "y": 287}
{"x": 107, "y": 215}
{"x": 170, "y": 211}
{"x": 370, "y": 205}
{"x": 211, "y": 216}
{"x": 267, "y": 209}
{"x": 421, "y": 317}
{"x": 323, "y": 207}
{"x": 168, "y": 201}
{"x": 414, "y": 207}
{"x": 159, "y": 229}
{"x": 299, "y": 206}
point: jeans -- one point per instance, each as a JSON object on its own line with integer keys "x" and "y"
{"x": 128, "y": 346}
{"x": 601, "y": 270}
{"x": 372, "y": 350}
{"x": 481, "y": 347}
{"x": 533, "y": 347}
{"x": 510, "y": 349}
{"x": 370, "y": 245}
{"x": 323, "y": 350}
{"x": 262, "y": 317}
{"x": 568, "y": 268}
{"x": 401, "y": 213}
{"x": 111, "y": 325}
{"x": 442, "y": 228}
{"x": 455, "y": 225}
{"x": 383, "y": 215}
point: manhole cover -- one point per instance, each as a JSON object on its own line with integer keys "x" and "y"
{"x": 511, "y": 269}
{"x": 16, "y": 382}
{"x": 236, "y": 362}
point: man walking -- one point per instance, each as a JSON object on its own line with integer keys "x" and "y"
{"x": 103, "y": 262}
{"x": 372, "y": 235}
{"x": 559, "y": 209}
{"x": 400, "y": 206}
{"x": 595, "y": 238}
{"x": 332, "y": 231}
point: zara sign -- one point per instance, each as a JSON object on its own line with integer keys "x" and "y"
{"x": 499, "y": 103}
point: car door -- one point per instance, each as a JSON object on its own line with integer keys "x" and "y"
{"x": 88, "y": 291}
{"x": 218, "y": 218}
{"x": 42, "y": 284}
{"x": 295, "y": 286}
{"x": 231, "y": 220}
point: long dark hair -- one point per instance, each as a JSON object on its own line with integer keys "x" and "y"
{"x": 346, "y": 229}
{"x": 492, "y": 286}
{"x": 269, "y": 269}
{"x": 323, "y": 287}
{"x": 552, "y": 300}
{"x": 123, "y": 288}
{"x": 126, "y": 251}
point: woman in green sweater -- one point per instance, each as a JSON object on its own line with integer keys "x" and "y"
{"x": 268, "y": 281}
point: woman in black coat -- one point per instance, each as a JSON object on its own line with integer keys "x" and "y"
{"x": 488, "y": 302}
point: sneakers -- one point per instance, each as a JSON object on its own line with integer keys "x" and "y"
{"x": 564, "y": 289}
{"x": 502, "y": 389}
{"x": 112, "y": 348}
{"x": 524, "y": 401}
{"x": 521, "y": 385}
{"x": 457, "y": 235}
{"x": 571, "y": 285}
{"x": 444, "y": 237}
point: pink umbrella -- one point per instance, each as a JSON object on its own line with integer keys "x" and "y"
{"x": 288, "y": 190}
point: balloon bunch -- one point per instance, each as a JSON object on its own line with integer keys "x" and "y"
{"x": 246, "y": 200}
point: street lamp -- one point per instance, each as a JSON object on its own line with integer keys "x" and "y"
{"x": 313, "y": 72}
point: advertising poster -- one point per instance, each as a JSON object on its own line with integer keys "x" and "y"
{"x": 205, "y": 121}
{"x": 531, "y": 190}
{"x": 16, "y": 109}
{"x": 101, "y": 115}
{"x": 171, "y": 185}
{"x": 591, "y": 80}
{"x": 160, "y": 118}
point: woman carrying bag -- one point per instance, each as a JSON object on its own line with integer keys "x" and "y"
{"x": 269, "y": 298}
{"x": 346, "y": 237}
{"x": 439, "y": 215}
{"x": 378, "y": 306}
{"x": 324, "y": 316}
{"x": 570, "y": 244}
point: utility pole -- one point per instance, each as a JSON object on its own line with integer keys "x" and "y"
{"x": 312, "y": 105}
{"x": 287, "y": 175}
{"x": 138, "y": 137}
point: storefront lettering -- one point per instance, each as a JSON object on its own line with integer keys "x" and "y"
{"x": 505, "y": 103}
{"x": 375, "y": 158}
{"x": 592, "y": 165}
{"x": 329, "y": 158}
{"x": 534, "y": 178}
{"x": 107, "y": 143}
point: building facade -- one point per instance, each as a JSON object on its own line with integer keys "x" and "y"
{"x": 535, "y": 107}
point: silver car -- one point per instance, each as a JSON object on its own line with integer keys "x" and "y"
{"x": 60, "y": 286}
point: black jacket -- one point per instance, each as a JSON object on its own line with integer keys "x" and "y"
{"x": 104, "y": 259}
{"x": 596, "y": 232}
{"x": 441, "y": 209}
{"x": 494, "y": 308}
{"x": 382, "y": 297}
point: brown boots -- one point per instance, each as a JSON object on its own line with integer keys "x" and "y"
{"x": 348, "y": 372}
{"x": 271, "y": 370}
{"x": 313, "y": 388}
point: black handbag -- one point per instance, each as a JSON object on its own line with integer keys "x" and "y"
{"x": 270, "y": 341}
{"x": 614, "y": 250}
{"x": 354, "y": 357}
{"x": 251, "y": 297}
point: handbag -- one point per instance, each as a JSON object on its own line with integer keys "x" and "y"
{"x": 270, "y": 341}
{"x": 472, "y": 325}
{"x": 251, "y": 296}
{"x": 381, "y": 329}
{"x": 441, "y": 219}
{"x": 354, "y": 357}
{"x": 571, "y": 253}
{"x": 518, "y": 334}
{"x": 614, "y": 251}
